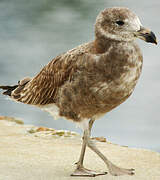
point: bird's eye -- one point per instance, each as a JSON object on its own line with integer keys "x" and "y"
{"x": 120, "y": 23}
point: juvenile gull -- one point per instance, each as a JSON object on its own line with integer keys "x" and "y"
{"x": 90, "y": 80}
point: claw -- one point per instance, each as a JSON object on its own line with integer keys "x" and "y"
{"x": 116, "y": 171}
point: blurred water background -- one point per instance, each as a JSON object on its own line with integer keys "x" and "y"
{"x": 34, "y": 32}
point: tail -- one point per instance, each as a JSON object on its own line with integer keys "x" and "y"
{"x": 16, "y": 88}
{"x": 8, "y": 89}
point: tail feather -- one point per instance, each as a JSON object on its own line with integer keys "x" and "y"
{"x": 8, "y": 89}
{"x": 16, "y": 88}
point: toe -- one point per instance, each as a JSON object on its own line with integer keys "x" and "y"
{"x": 83, "y": 172}
{"x": 116, "y": 171}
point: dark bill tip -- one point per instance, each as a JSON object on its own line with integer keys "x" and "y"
{"x": 150, "y": 37}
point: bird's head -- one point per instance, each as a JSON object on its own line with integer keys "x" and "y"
{"x": 121, "y": 24}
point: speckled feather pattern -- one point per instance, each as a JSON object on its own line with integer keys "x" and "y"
{"x": 87, "y": 81}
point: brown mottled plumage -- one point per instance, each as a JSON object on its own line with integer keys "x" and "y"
{"x": 91, "y": 79}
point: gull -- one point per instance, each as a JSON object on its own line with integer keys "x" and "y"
{"x": 90, "y": 80}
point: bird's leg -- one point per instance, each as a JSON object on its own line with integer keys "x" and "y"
{"x": 81, "y": 158}
{"x": 80, "y": 162}
{"x": 113, "y": 169}
{"x": 80, "y": 170}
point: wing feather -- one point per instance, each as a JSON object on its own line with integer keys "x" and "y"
{"x": 42, "y": 89}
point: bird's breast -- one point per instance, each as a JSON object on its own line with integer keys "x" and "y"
{"x": 118, "y": 88}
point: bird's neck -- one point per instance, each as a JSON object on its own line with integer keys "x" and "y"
{"x": 102, "y": 45}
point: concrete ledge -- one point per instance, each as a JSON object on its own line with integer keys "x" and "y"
{"x": 38, "y": 153}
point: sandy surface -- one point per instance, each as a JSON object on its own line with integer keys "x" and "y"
{"x": 32, "y": 153}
